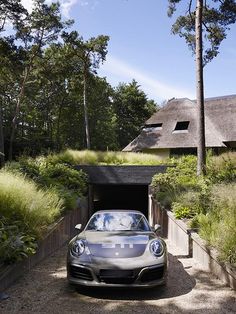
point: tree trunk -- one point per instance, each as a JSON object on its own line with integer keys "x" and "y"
{"x": 58, "y": 137}
{"x": 201, "y": 149}
{"x": 15, "y": 119}
{"x": 2, "y": 156}
{"x": 86, "y": 110}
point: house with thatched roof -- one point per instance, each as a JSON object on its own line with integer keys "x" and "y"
{"x": 173, "y": 129}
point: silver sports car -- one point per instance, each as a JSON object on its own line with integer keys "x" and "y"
{"x": 117, "y": 248}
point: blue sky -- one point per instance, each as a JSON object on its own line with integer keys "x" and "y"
{"x": 142, "y": 47}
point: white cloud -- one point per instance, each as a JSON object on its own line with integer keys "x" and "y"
{"x": 154, "y": 88}
{"x": 66, "y": 5}
{"x": 83, "y": 3}
{"x": 28, "y": 4}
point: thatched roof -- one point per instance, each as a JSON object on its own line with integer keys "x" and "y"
{"x": 160, "y": 130}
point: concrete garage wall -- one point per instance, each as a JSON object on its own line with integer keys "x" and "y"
{"x": 128, "y": 175}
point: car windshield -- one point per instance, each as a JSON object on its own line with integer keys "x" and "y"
{"x": 118, "y": 222}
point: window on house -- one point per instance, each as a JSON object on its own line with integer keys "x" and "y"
{"x": 181, "y": 127}
{"x": 153, "y": 127}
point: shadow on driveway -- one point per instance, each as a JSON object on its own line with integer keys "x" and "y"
{"x": 179, "y": 282}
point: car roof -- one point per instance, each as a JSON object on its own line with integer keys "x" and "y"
{"x": 118, "y": 211}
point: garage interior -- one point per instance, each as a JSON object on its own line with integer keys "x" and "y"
{"x": 134, "y": 197}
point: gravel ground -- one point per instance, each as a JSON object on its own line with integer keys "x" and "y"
{"x": 189, "y": 290}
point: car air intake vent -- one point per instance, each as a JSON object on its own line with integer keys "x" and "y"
{"x": 80, "y": 273}
{"x": 152, "y": 274}
{"x": 118, "y": 276}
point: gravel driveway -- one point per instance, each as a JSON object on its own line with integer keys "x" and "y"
{"x": 189, "y": 290}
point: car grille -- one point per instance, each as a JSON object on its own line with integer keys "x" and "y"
{"x": 152, "y": 274}
{"x": 117, "y": 276}
{"x": 80, "y": 273}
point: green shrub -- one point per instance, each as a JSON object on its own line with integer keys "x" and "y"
{"x": 210, "y": 201}
{"x": 191, "y": 203}
{"x": 178, "y": 179}
{"x": 67, "y": 182}
{"x": 182, "y": 211}
{"x": 14, "y": 244}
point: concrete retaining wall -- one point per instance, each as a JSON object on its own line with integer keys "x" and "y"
{"x": 208, "y": 260}
{"x": 62, "y": 231}
{"x": 174, "y": 230}
{"x": 179, "y": 235}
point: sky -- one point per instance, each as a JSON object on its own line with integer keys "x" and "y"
{"x": 141, "y": 47}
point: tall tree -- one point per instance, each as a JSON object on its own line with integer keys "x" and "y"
{"x": 132, "y": 108}
{"x": 203, "y": 27}
{"x": 90, "y": 54}
{"x": 10, "y": 11}
{"x": 35, "y": 31}
{"x": 2, "y": 154}
{"x": 101, "y": 114}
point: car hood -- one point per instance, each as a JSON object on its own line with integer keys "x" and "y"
{"x": 117, "y": 244}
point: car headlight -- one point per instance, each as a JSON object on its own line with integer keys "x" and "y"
{"x": 78, "y": 248}
{"x": 156, "y": 248}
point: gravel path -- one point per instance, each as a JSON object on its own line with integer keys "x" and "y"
{"x": 189, "y": 290}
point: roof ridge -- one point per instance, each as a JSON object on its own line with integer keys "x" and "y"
{"x": 217, "y": 97}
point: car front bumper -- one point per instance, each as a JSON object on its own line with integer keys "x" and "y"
{"x": 85, "y": 275}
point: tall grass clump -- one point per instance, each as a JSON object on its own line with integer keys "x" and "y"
{"x": 21, "y": 200}
{"x": 218, "y": 226}
{"x": 87, "y": 157}
{"x": 222, "y": 168}
{"x": 47, "y": 172}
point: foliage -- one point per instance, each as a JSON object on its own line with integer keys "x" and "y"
{"x": 14, "y": 243}
{"x": 209, "y": 202}
{"x": 181, "y": 184}
{"x": 218, "y": 225}
{"x": 21, "y": 199}
{"x": 10, "y": 10}
{"x": 88, "y": 157}
{"x": 26, "y": 212}
{"x": 89, "y": 54}
{"x": 181, "y": 211}
{"x": 33, "y": 194}
{"x": 203, "y": 27}
{"x": 48, "y": 83}
{"x": 176, "y": 180}
{"x": 217, "y": 16}
{"x": 222, "y": 168}
{"x": 132, "y": 109}
{"x": 67, "y": 182}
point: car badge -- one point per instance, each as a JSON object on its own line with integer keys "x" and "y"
{"x": 117, "y": 253}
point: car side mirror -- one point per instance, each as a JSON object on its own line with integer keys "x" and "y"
{"x": 157, "y": 227}
{"x": 78, "y": 227}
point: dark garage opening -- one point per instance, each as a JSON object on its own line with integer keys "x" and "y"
{"x": 133, "y": 197}
{"x": 120, "y": 187}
